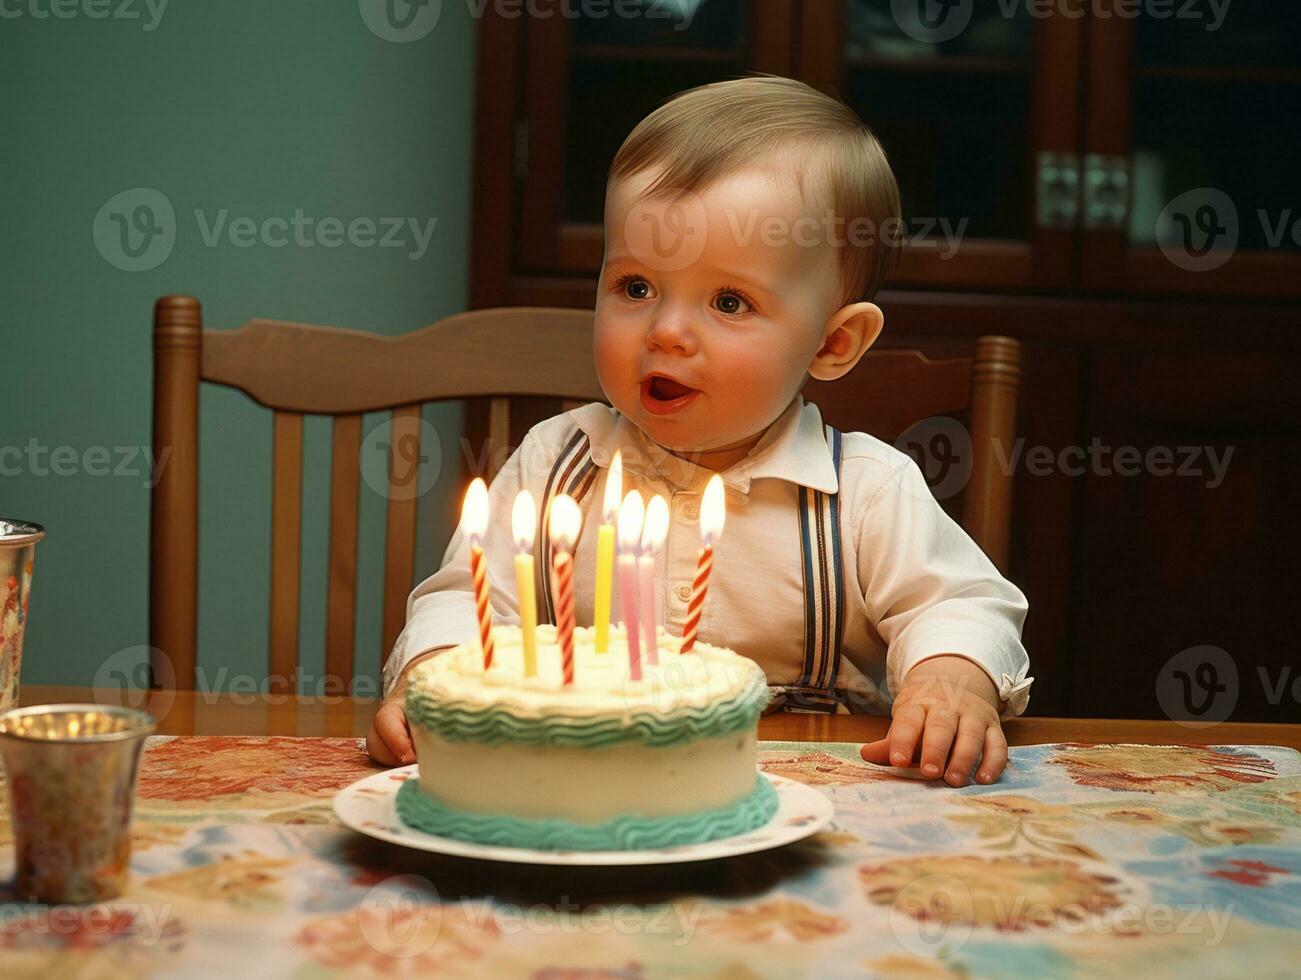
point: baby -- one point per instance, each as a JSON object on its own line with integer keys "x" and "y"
{"x": 748, "y": 226}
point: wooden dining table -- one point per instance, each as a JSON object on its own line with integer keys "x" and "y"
{"x": 222, "y": 713}
{"x": 1107, "y": 847}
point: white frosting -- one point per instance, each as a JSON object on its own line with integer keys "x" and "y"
{"x": 602, "y": 684}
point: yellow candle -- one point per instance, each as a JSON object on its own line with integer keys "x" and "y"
{"x": 524, "y": 520}
{"x": 605, "y": 554}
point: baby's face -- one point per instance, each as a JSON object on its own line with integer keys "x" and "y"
{"x": 727, "y": 293}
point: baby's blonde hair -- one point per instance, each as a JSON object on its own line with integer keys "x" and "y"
{"x": 705, "y": 133}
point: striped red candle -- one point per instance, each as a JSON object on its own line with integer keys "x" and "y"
{"x": 699, "y": 586}
{"x": 479, "y": 572}
{"x": 566, "y": 519}
{"x": 712, "y": 515}
{"x": 474, "y": 523}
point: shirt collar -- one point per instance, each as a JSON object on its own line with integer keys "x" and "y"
{"x": 794, "y": 448}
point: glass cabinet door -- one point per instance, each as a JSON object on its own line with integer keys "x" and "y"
{"x": 971, "y": 101}
{"x": 593, "y": 75}
{"x": 1210, "y": 144}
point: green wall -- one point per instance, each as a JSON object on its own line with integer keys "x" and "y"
{"x": 261, "y": 109}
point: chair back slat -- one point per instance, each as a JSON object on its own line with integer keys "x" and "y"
{"x": 341, "y": 600}
{"x": 400, "y": 533}
{"x": 286, "y": 539}
{"x": 498, "y": 435}
{"x": 297, "y": 367}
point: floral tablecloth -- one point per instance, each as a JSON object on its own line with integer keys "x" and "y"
{"x": 1083, "y": 860}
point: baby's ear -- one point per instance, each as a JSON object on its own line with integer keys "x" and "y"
{"x": 849, "y": 332}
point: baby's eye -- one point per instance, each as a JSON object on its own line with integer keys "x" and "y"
{"x": 629, "y": 282}
{"x": 732, "y": 302}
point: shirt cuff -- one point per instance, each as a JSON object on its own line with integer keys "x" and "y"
{"x": 442, "y": 619}
{"x": 1002, "y": 658}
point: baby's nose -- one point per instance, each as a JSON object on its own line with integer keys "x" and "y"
{"x": 669, "y": 333}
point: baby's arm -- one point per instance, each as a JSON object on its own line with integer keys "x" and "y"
{"x": 955, "y": 664}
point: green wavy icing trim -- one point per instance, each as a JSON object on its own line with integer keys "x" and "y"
{"x": 495, "y": 724}
{"x": 625, "y": 833}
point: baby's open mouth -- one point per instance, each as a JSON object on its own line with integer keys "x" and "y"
{"x": 666, "y": 389}
{"x": 666, "y": 396}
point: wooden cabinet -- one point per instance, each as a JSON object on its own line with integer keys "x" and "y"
{"x": 1126, "y": 192}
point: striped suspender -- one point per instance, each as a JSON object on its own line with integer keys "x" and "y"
{"x": 573, "y": 473}
{"x": 824, "y": 595}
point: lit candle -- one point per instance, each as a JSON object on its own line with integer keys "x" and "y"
{"x": 523, "y": 522}
{"x": 565, "y": 521}
{"x": 630, "y": 521}
{"x": 605, "y": 552}
{"x": 652, "y": 538}
{"x": 474, "y": 522}
{"x": 712, "y": 513}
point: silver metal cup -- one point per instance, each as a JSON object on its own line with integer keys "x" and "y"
{"x": 17, "y": 547}
{"x": 71, "y": 771}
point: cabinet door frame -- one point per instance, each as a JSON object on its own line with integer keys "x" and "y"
{"x": 1108, "y": 259}
{"x": 1046, "y": 259}
{"x": 547, "y": 242}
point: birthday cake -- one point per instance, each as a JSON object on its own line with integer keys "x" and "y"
{"x": 605, "y": 762}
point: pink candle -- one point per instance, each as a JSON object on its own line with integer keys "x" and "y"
{"x": 565, "y": 521}
{"x": 712, "y": 513}
{"x": 630, "y": 526}
{"x": 563, "y": 564}
{"x": 652, "y": 539}
{"x": 474, "y": 522}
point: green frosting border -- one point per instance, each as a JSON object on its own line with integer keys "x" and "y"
{"x": 494, "y": 724}
{"x": 626, "y": 833}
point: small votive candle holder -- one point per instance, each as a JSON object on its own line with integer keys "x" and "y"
{"x": 71, "y": 771}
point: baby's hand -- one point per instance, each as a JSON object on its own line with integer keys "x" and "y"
{"x": 946, "y": 701}
{"x": 389, "y": 741}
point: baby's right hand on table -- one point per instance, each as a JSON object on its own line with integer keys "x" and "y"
{"x": 389, "y": 741}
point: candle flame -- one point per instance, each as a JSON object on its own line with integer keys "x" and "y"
{"x": 474, "y": 510}
{"x": 566, "y": 519}
{"x": 614, "y": 488}
{"x": 656, "y": 527}
{"x": 713, "y": 510}
{"x": 631, "y": 515}
{"x": 523, "y": 521}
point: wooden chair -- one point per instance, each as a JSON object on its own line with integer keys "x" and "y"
{"x": 494, "y": 354}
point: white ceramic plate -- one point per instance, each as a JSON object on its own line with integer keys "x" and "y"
{"x": 368, "y": 806}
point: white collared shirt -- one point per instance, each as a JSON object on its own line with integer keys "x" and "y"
{"x": 915, "y": 585}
